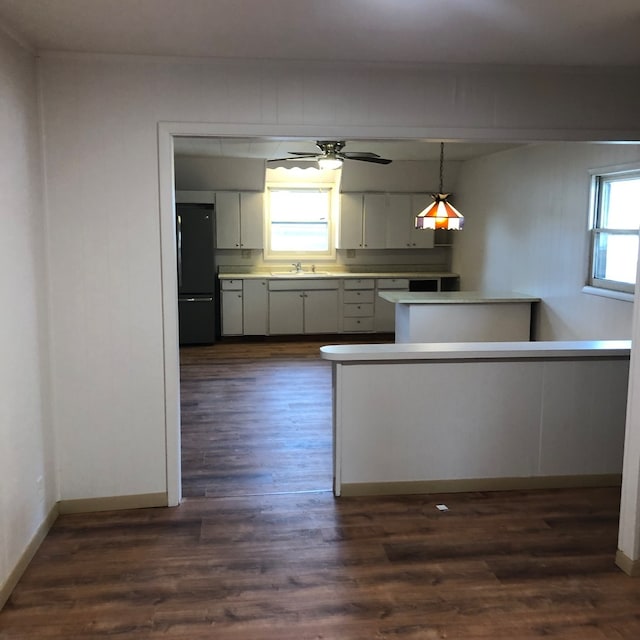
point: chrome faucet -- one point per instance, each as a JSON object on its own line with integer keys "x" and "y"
{"x": 298, "y": 266}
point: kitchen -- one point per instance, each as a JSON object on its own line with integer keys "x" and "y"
{"x": 526, "y": 229}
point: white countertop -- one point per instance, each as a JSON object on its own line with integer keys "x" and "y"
{"x": 475, "y": 350}
{"x": 454, "y": 297}
{"x": 337, "y": 274}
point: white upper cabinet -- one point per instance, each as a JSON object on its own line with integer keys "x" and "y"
{"x": 399, "y": 221}
{"x": 375, "y": 221}
{"x": 401, "y": 232}
{"x": 362, "y": 221}
{"x": 351, "y": 220}
{"x": 382, "y": 221}
{"x": 251, "y": 220}
{"x": 420, "y": 238}
{"x": 228, "y": 220}
{"x": 239, "y": 220}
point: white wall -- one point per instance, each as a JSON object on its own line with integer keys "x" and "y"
{"x": 27, "y": 476}
{"x": 526, "y": 220}
{"x": 101, "y": 122}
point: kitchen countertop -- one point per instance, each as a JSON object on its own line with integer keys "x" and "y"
{"x": 337, "y": 274}
{"x": 475, "y": 350}
{"x": 454, "y": 297}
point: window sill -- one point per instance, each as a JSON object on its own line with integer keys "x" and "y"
{"x": 608, "y": 293}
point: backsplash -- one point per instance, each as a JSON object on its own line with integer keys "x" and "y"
{"x": 250, "y": 260}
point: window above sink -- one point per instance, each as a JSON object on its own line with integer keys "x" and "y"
{"x": 299, "y": 214}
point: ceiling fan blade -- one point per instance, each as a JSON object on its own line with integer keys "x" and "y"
{"x": 376, "y": 160}
{"x": 303, "y": 153}
{"x": 354, "y": 155}
{"x": 312, "y": 156}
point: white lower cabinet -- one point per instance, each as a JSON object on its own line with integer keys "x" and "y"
{"x": 283, "y": 306}
{"x": 321, "y": 311}
{"x": 358, "y": 304}
{"x": 231, "y": 312}
{"x": 295, "y": 310}
{"x": 286, "y": 312}
{"x": 255, "y": 307}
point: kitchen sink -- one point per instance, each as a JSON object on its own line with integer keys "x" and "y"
{"x": 298, "y": 274}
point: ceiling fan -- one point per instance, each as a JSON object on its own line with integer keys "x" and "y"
{"x": 331, "y": 155}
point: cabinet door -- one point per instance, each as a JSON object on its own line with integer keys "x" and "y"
{"x": 232, "y": 313}
{"x": 227, "y": 220}
{"x": 375, "y": 220}
{"x": 385, "y": 311}
{"x": 420, "y": 238}
{"x": 286, "y": 312}
{"x": 251, "y": 220}
{"x": 255, "y": 307}
{"x": 350, "y": 236}
{"x": 398, "y": 220}
{"x": 321, "y": 311}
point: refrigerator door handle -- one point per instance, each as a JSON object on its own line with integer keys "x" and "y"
{"x": 179, "y": 229}
{"x": 195, "y": 299}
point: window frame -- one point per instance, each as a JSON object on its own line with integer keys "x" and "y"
{"x": 318, "y": 256}
{"x": 599, "y": 177}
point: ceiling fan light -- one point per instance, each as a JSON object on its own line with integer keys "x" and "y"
{"x": 327, "y": 164}
{"x": 440, "y": 214}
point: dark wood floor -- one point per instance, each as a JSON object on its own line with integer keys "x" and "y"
{"x": 272, "y": 555}
{"x": 256, "y": 419}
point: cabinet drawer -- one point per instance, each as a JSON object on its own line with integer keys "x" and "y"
{"x": 303, "y": 284}
{"x": 357, "y": 295}
{"x": 357, "y": 310}
{"x": 351, "y": 325}
{"x": 359, "y": 283}
{"x": 231, "y": 285}
{"x": 392, "y": 283}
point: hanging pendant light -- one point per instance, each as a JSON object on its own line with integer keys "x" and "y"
{"x": 440, "y": 214}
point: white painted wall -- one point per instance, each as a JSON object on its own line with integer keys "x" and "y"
{"x": 27, "y": 475}
{"x": 526, "y": 230}
{"x": 101, "y": 123}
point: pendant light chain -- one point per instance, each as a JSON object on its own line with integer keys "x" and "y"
{"x": 441, "y": 165}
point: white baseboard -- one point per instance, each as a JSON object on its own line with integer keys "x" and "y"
{"x": 629, "y": 566}
{"x": 479, "y": 484}
{"x": 27, "y": 555}
{"x": 113, "y": 503}
{"x": 141, "y": 501}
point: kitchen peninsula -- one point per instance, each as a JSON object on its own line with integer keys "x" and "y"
{"x": 477, "y": 416}
{"x": 461, "y": 316}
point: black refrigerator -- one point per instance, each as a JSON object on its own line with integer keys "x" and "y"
{"x": 196, "y": 273}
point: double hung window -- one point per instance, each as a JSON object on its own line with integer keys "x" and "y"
{"x": 299, "y": 221}
{"x": 615, "y": 226}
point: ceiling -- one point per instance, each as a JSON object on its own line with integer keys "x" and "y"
{"x": 278, "y": 148}
{"x": 531, "y": 32}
